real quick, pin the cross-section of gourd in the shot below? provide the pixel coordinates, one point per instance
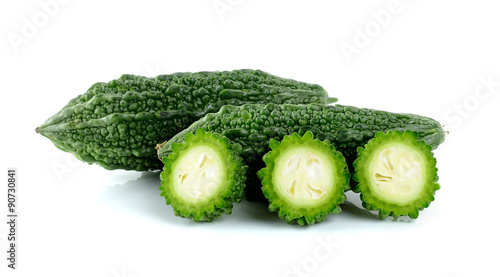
(396, 174)
(203, 176)
(304, 179)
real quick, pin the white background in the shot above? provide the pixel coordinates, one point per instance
(422, 57)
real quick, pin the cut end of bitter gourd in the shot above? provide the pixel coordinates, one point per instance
(396, 174)
(304, 179)
(203, 176)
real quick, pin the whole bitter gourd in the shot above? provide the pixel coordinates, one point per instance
(304, 179)
(346, 127)
(396, 174)
(118, 124)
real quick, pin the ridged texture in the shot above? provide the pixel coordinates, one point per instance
(117, 124)
(346, 127)
(371, 201)
(285, 207)
(230, 190)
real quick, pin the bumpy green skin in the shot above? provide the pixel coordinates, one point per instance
(285, 208)
(231, 191)
(361, 177)
(117, 124)
(346, 127)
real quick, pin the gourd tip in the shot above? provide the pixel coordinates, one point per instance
(331, 100)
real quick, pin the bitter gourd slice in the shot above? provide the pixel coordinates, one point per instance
(346, 127)
(118, 124)
(203, 176)
(304, 179)
(396, 174)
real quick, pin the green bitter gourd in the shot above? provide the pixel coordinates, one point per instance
(346, 127)
(203, 176)
(118, 124)
(304, 179)
(396, 174)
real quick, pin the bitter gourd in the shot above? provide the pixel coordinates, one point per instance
(304, 179)
(396, 174)
(346, 127)
(203, 176)
(118, 124)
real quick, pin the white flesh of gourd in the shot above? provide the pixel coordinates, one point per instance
(397, 173)
(197, 174)
(303, 175)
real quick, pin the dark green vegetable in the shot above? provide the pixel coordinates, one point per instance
(396, 174)
(117, 124)
(203, 176)
(347, 128)
(304, 179)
